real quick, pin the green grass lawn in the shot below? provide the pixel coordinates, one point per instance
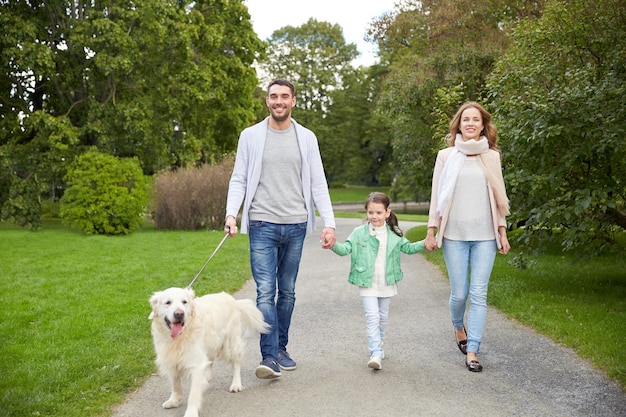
(75, 308)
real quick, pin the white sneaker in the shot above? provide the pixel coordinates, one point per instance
(375, 362)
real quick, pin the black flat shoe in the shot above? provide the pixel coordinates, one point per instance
(462, 344)
(474, 366)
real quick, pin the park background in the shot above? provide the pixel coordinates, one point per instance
(118, 125)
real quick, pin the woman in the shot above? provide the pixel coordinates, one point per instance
(468, 208)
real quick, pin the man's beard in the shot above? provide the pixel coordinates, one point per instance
(280, 118)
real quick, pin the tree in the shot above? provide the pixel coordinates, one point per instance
(316, 59)
(356, 145)
(334, 99)
(429, 45)
(559, 95)
(168, 82)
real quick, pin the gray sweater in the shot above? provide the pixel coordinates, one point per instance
(247, 173)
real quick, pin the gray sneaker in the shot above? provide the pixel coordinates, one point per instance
(284, 361)
(268, 369)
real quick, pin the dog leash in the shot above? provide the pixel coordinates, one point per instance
(208, 260)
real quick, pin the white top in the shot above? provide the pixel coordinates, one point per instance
(470, 212)
(379, 286)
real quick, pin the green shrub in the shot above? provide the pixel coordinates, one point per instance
(50, 209)
(105, 194)
(23, 203)
(192, 198)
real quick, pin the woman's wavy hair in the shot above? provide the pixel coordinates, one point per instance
(489, 129)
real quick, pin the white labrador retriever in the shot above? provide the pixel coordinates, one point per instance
(189, 333)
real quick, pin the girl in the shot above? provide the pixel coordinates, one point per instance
(375, 267)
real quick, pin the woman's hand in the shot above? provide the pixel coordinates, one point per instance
(430, 243)
(504, 241)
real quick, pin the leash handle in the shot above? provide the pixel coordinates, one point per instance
(208, 260)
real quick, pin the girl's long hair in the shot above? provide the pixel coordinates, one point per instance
(392, 220)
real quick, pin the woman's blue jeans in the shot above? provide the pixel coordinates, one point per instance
(275, 253)
(469, 265)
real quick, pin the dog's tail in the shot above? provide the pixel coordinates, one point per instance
(251, 316)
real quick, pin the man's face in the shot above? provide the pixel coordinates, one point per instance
(280, 101)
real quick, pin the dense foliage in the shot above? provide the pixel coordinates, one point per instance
(334, 99)
(559, 96)
(106, 195)
(315, 58)
(170, 83)
(429, 45)
(173, 84)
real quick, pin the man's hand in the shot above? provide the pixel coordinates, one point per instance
(328, 238)
(231, 226)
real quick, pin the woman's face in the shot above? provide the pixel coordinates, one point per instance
(377, 213)
(471, 124)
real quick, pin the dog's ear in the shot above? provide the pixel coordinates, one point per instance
(154, 300)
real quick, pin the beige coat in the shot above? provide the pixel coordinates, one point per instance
(440, 222)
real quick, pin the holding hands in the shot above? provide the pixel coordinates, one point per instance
(430, 243)
(328, 238)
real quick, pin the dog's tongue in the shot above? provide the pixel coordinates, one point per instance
(175, 330)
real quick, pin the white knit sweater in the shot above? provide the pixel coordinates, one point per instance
(470, 213)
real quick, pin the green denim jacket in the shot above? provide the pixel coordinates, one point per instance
(364, 247)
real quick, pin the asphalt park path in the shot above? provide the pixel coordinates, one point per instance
(423, 374)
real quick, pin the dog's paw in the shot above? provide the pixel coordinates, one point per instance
(171, 403)
(235, 388)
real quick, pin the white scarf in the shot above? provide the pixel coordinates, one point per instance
(453, 165)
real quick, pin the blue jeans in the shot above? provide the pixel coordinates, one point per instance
(376, 315)
(462, 259)
(275, 253)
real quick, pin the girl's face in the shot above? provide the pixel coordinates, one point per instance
(471, 124)
(377, 213)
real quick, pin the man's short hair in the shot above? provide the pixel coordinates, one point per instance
(282, 81)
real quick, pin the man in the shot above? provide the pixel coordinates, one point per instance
(279, 177)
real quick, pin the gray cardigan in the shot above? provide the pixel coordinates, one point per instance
(247, 173)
